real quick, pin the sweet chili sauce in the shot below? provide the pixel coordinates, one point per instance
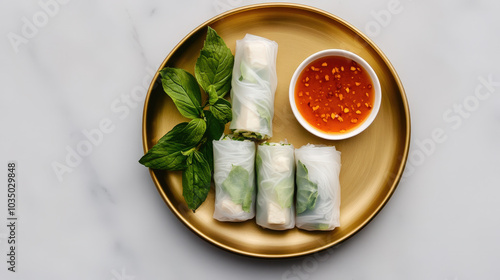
(334, 94)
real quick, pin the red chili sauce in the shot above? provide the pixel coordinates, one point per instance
(334, 94)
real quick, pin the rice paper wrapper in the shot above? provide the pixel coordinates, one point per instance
(275, 183)
(234, 177)
(318, 187)
(254, 84)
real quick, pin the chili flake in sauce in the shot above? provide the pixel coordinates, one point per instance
(334, 94)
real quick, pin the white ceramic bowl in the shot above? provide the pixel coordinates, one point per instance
(375, 84)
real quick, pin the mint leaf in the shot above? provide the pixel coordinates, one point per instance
(168, 152)
(222, 110)
(196, 180)
(212, 95)
(161, 157)
(174, 133)
(307, 191)
(215, 64)
(185, 133)
(184, 91)
(214, 131)
(207, 149)
(189, 152)
(238, 187)
(194, 131)
(215, 128)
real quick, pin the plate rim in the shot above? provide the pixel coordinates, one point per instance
(366, 39)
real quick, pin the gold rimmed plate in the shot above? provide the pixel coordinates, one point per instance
(372, 162)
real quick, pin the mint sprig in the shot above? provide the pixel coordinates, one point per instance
(188, 146)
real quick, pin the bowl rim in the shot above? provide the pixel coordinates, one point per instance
(375, 82)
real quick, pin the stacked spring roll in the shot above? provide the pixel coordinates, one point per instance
(275, 182)
(254, 84)
(234, 177)
(318, 187)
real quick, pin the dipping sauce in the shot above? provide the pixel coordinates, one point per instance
(334, 94)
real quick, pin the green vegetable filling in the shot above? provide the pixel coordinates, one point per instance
(284, 192)
(307, 191)
(238, 186)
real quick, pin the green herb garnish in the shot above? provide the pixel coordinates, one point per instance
(214, 67)
(196, 179)
(184, 91)
(168, 152)
(188, 146)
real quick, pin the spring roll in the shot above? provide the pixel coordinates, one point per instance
(318, 187)
(253, 84)
(275, 186)
(234, 177)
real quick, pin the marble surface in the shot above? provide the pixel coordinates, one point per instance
(73, 70)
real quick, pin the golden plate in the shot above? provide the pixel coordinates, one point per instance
(372, 162)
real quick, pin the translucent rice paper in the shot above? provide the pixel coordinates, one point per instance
(323, 168)
(234, 176)
(254, 84)
(275, 182)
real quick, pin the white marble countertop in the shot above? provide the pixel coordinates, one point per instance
(69, 68)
